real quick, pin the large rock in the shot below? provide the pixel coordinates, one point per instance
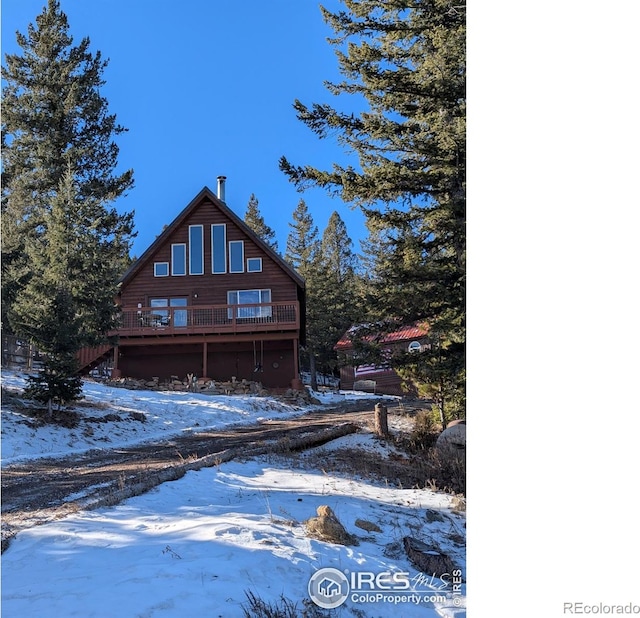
(426, 558)
(453, 439)
(327, 527)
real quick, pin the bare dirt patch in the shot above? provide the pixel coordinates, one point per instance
(43, 490)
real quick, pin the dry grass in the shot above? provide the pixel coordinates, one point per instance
(426, 470)
(283, 608)
(416, 463)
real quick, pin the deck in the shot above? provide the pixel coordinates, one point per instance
(209, 319)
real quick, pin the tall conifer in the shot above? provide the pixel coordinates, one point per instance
(303, 253)
(63, 247)
(53, 117)
(405, 61)
(254, 219)
(303, 243)
(338, 304)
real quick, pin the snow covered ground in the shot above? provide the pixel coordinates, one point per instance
(166, 414)
(199, 545)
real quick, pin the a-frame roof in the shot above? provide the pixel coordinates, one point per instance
(206, 193)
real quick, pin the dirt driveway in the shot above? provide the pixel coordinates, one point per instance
(43, 490)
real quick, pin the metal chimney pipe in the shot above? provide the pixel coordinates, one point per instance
(221, 195)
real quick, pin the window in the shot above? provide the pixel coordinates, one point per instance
(158, 317)
(254, 265)
(236, 256)
(218, 248)
(179, 315)
(196, 250)
(178, 260)
(161, 316)
(161, 269)
(249, 297)
(415, 346)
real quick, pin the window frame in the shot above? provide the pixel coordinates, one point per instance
(258, 312)
(234, 243)
(162, 307)
(174, 246)
(192, 229)
(254, 259)
(224, 249)
(155, 269)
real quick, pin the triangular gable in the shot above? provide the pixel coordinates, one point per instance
(206, 193)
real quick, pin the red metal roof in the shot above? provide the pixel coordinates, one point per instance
(405, 333)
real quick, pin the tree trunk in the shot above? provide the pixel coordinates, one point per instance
(312, 371)
(443, 418)
(381, 424)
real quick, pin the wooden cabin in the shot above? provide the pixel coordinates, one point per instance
(379, 378)
(208, 298)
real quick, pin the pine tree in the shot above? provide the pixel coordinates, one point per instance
(405, 61)
(402, 271)
(63, 248)
(338, 307)
(303, 253)
(303, 243)
(53, 115)
(328, 265)
(337, 252)
(254, 219)
(69, 303)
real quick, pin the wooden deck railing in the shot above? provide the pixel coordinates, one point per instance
(206, 319)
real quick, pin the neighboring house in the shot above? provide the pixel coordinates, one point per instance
(208, 298)
(376, 378)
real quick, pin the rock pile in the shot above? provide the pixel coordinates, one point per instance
(199, 385)
(327, 527)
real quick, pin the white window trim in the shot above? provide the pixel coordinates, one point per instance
(224, 253)
(263, 311)
(259, 259)
(155, 268)
(189, 256)
(241, 243)
(173, 273)
(414, 346)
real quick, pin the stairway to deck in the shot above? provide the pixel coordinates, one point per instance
(88, 358)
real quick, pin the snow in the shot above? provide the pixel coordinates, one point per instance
(166, 414)
(198, 545)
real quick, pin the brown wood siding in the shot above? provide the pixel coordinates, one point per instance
(224, 361)
(210, 289)
(151, 347)
(387, 383)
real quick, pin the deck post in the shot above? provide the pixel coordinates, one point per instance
(296, 382)
(205, 369)
(115, 372)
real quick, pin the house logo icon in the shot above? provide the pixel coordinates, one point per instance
(328, 588)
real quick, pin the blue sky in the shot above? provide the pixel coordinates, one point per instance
(206, 89)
